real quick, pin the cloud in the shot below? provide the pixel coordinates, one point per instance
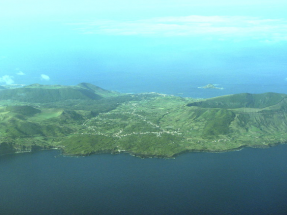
(7, 79)
(20, 73)
(45, 77)
(215, 27)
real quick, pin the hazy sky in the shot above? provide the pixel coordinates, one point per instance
(141, 8)
(43, 40)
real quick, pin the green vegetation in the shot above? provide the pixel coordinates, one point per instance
(243, 100)
(85, 119)
(218, 122)
(24, 110)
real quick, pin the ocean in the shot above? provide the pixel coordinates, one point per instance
(175, 66)
(250, 181)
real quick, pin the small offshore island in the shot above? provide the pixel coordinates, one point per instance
(211, 86)
(86, 119)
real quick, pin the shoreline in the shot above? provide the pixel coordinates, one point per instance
(142, 156)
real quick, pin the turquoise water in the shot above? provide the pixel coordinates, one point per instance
(250, 181)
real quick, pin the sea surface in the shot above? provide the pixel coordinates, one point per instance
(250, 181)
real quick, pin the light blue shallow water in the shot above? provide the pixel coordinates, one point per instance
(251, 181)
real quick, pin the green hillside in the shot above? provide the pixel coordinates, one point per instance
(39, 95)
(246, 100)
(97, 90)
(53, 93)
(24, 110)
(85, 119)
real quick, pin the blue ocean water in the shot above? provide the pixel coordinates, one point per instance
(250, 181)
(175, 66)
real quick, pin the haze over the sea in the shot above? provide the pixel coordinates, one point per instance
(138, 46)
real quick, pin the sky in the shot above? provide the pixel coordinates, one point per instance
(144, 45)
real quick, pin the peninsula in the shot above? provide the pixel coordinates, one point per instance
(86, 119)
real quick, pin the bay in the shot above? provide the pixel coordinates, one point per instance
(250, 181)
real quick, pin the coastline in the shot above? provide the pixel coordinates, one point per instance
(138, 155)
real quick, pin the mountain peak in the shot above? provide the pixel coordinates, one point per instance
(98, 90)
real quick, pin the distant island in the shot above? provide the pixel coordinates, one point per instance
(86, 119)
(211, 86)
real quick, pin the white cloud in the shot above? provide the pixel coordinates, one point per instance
(7, 79)
(217, 27)
(20, 73)
(45, 77)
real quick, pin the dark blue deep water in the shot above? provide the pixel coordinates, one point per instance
(250, 181)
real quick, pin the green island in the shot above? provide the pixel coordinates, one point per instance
(86, 119)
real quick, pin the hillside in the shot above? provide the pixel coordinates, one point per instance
(243, 100)
(86, 119)
(97, 90)
(45, 93)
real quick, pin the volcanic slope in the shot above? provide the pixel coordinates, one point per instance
(42, 93)
(86, 119)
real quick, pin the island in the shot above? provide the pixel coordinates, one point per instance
(211, 86)
(86, 119)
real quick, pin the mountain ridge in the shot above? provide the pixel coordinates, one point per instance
(37, 93)
(242, 100)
